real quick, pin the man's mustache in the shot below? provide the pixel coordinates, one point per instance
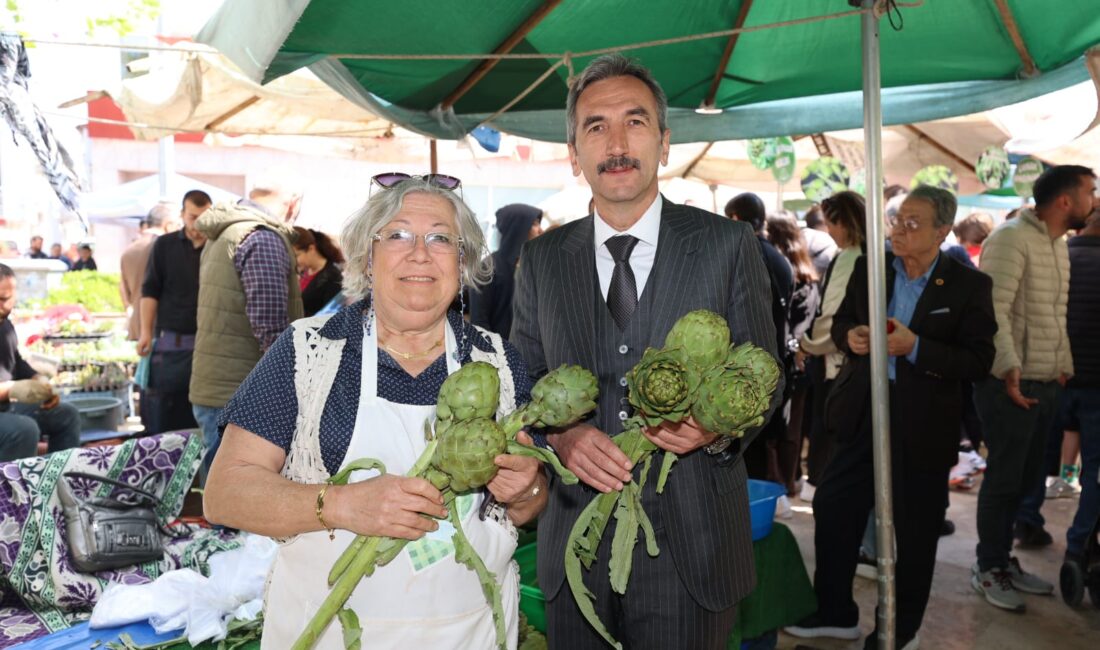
(618, 162)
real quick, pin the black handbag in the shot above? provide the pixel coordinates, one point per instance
(106, 533)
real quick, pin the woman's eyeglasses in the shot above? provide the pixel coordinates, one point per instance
(389, 179)
(397, 240)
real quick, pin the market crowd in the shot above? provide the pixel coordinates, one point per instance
(295, 355)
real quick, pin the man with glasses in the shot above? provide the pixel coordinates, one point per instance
(248, 294)
(599, 291)
(1028, 260)
(940, 332)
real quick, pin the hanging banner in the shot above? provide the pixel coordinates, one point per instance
(824, 177)
(1027, 172)
(783, 165)
(993, 168)
(939, 176)
(762, 152)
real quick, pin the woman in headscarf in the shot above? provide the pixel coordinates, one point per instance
(491, 306)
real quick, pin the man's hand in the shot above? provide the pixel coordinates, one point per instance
(144, 344)
(800, 360)
(859, 339)
(50, 403)
(518, 475)
(592, 456)
(1012, 387)
(681, 438)
(901, 340)
(1063, 379)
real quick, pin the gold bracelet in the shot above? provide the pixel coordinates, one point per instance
(320, 514)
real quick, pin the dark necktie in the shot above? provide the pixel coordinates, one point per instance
(622, 295)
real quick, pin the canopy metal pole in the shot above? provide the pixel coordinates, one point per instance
(876, 280)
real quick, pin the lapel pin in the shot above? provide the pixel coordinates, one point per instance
(939, 282)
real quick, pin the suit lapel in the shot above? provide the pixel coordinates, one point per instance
(578, 278)
(673, 266)
(930, 297)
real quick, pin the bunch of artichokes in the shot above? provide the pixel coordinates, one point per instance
(458, 459)
(726, 389)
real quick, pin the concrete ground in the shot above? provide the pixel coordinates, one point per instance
(959, 618)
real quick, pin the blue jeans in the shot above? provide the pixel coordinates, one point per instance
(207, 417)
(1083, 404)
(1016, 439)
(23, 425)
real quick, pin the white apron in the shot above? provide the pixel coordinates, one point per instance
(423, 598)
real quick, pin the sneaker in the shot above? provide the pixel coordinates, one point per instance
(996, 586)
(961, 471)
(977, 463)
(966, 484)
(783, 508)
(1026, 582)
(813, 626)
(1059, 488)
(807, 492)
(1028, 536)
(866, 566)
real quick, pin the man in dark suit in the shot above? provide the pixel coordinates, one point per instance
(599, 291)
(941, 316)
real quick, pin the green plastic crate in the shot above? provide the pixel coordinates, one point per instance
(531, 601)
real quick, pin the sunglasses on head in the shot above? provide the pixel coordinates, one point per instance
(390, 179)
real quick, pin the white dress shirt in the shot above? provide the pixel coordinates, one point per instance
(646, 229)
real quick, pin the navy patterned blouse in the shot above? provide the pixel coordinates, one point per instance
(267, 405)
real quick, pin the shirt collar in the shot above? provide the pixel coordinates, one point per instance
(899, 266)
(645, 229)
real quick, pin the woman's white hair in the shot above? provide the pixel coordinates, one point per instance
(357, 235)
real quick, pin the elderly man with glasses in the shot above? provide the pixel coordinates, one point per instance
(940, 333)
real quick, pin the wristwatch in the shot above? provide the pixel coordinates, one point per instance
(718, 446)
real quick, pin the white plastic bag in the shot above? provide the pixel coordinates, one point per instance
(184, 599)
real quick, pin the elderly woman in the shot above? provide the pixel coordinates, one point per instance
(846, 223)
(940, 334)
(361, 384)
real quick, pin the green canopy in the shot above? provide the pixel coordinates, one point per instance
(941, 59)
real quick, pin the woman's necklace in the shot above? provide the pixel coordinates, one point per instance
(409, 356)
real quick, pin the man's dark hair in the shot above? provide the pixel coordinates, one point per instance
(6, 272)
(609, 66)
(814, 217)
(1059, 180)
(198, 198)
(749, 208)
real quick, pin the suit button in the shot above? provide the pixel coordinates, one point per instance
(623, 349)
(623, 415)
(622, 381)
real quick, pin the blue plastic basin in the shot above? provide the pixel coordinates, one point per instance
(762, 498)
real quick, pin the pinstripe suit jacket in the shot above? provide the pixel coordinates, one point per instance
(703, 261)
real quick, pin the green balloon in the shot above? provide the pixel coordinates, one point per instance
(939, 176)
(784, 163)
(824, 177)
(1027, 172)
(993, 167)
(762, 152)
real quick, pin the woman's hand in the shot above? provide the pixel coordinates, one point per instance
(518, 476)
(859, 339)
(387, 505)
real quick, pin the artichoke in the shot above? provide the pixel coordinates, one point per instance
(661, 388)
(702, 337)
(467, 451)
(728, 402)
(471, 392)
(755, 363)
(564, 396)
